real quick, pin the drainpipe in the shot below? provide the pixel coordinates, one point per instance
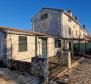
(11, 52)
(35, 45)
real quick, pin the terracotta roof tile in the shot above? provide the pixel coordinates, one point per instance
(19, 30)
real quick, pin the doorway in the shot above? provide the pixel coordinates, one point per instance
(44, 47)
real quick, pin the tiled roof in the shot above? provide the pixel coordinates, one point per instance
(19, 30)
(28, 32)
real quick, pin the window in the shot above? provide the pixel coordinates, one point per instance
(69, 19)
(44, 16)
(76, 33)
(57, 43)
(22, 43)
(69, 31)
(74, 26)
(70, 46)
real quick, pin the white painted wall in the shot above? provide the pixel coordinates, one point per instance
(16, 55)
(66, 25)
(26, 55)
(83, 33)
(51, 47)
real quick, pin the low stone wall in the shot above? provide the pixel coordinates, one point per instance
(40, 68)
(37, 68)
(19, 65)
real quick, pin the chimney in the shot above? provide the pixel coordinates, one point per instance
(76, 18)
(70, 12)
(84, 26)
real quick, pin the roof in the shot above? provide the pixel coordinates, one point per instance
(19, 30)
(27, 31)
(54, 9)
(62, 10)
(36, 33)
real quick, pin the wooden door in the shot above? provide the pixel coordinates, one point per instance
(44, 48)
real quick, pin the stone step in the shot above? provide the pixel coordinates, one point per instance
(56, 72)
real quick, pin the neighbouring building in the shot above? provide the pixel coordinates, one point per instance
(58, 22)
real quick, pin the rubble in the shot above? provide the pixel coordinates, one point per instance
(80, 75)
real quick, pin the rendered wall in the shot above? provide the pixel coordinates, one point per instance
(66, 25)
(13, 52)
(12, 48)
(50, 25)
(51, 47)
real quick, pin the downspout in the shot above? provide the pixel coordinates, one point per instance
(61, 26)
(11, 51)
(35, 45)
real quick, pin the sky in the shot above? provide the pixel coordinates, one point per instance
(18, 13)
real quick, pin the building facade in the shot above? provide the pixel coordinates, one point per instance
(20, 45)
(58, 22)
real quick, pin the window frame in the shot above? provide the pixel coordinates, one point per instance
(70, 46)
(70, 31)
(69, 19)
(44, 16)
(76, 33)
(22, 45)
(57, 43)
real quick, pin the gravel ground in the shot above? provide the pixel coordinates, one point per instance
(81, 74)
(12, 77)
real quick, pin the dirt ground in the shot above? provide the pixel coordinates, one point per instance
(11, 77)
(80, 75)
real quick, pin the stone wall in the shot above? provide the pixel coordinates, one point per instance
(13, 48)
(40, 68)
(50, 25)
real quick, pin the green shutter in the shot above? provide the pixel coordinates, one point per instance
(44, 48)
(22, 43)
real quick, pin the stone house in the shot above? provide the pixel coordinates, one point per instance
(22, 45)
(58, 22)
